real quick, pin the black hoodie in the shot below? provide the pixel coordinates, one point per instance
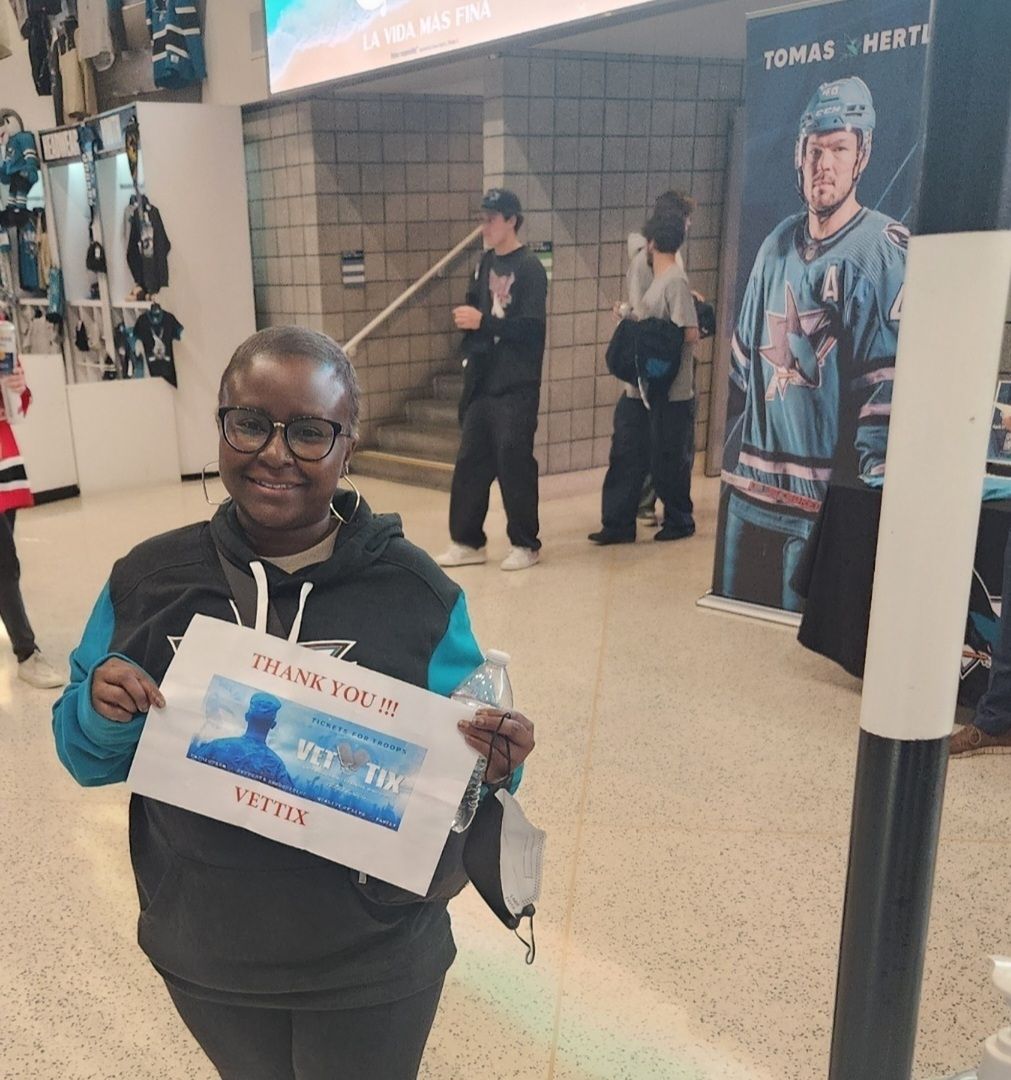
(226, 914)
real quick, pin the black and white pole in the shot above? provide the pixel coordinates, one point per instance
(956, 296)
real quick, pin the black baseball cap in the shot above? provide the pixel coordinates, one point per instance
(502, 201)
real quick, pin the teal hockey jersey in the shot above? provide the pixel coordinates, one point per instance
(176, 44)
(814, 354)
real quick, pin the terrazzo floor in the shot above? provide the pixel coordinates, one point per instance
(694, 771)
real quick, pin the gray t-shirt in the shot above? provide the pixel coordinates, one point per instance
(316, 554)
(669, 297)
(640, 273)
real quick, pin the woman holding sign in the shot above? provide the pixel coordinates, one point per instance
(281, 963)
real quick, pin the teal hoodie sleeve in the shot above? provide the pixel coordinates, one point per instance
(93, 750)
(454, 658)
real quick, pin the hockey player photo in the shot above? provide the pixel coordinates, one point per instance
(998, 458)
(813, 355)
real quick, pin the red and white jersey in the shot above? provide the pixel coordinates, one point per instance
(15, 491)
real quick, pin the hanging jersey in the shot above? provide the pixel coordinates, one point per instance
(21, 158)
(147, 245)
(814, 353)
(157, 331)
(125, 343)
(177, 46)
(28, 255)
(15, 491)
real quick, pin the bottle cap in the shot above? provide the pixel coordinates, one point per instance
(496, 656)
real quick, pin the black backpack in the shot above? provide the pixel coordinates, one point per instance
(646, 353)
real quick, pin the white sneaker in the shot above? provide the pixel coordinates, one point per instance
(38, 672)
(521, 559)
(461, 555)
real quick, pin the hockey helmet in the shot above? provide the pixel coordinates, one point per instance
(841, 105)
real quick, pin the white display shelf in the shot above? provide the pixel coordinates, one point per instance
(113, 424)
(44, 435)
(175, 434)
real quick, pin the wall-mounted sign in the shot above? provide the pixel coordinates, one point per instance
(60, 144)
(545, 251)
(353, 267)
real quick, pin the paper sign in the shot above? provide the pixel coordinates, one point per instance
(353, 267)
(307, 750)
(60, 144)
(111, 130)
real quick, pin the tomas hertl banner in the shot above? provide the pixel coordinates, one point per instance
(832, 153)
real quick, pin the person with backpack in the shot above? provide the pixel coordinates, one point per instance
(654, 420)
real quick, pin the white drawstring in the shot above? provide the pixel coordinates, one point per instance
(263, 597)
(296, 626)
(260, 577)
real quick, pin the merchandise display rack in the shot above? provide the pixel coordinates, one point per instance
(133, 431)
(44, 435)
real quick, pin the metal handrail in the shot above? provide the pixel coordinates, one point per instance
(406, 295)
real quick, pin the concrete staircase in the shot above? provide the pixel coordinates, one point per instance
(421, 449)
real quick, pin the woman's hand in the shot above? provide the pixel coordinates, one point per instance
(15, 382)
(505, 738)
(120, 690)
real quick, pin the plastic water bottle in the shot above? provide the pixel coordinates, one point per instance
(487, 685)
(8, 347)
(996, 1063)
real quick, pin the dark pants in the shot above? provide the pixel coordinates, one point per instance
(382, 1042)
(12, 606)
(497, 444)
(763, 536)
(993, 712)
(658, 442)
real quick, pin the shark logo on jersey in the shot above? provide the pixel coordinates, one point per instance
(799, 343)
(338, 649)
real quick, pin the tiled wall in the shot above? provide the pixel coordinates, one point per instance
(284, 186)
(396, 177)
(588, 142)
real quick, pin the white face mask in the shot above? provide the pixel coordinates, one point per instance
(522, 856)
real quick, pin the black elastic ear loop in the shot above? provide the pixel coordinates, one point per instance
(508, 748)
(531, 945)
(528, 911)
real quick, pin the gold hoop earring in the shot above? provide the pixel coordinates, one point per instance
(203, 484)
(358, 502)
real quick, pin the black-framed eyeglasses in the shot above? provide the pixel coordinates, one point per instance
(309, 438)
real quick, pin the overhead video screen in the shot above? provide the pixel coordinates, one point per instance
(313, 41)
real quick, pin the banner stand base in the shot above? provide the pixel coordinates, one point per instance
(730, 606)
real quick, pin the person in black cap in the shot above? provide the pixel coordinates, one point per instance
(504, 319)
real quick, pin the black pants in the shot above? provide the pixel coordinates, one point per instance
(382, 1042)
(12, 606)
(497, 443)
(657, 442)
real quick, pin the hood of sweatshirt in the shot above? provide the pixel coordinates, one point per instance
(360, 542)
